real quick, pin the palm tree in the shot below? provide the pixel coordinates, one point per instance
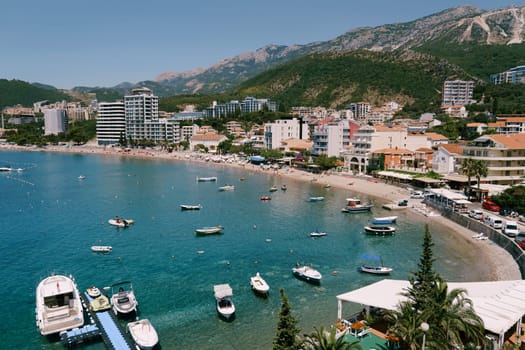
(406, 321)
(323, 340)
(479, 170)
(467, 169)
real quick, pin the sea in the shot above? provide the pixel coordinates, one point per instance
(50, 218)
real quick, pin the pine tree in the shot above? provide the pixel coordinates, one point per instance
(287, 331)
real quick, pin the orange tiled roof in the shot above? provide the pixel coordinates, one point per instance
(208, 137)
(496, 124)
(474, 125)
(434, 136)
(453, 148)
(380, 128)
(394, 151)
(424, 149)
(512, 141)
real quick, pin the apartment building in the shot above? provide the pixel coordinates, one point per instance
(444, 160)
(282, 129)
(503, 154)
(249, 104)
(514, 75)
(457, 92)
(331, 137)
(111, 122)
(55, 121)
(360, 110)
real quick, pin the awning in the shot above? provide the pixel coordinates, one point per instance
(395, 175)
(499, 304)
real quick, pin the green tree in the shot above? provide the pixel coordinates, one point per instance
(467, 168)
(479, 170)
(406, 321)
(323, 340)
(287, 331)
(184, 144)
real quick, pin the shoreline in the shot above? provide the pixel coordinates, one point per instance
(500, 264)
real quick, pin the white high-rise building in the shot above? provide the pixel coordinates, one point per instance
(142, 116)
(55, 121)
(457, 92)
(111, 123)
(284, 129)
(331, 137)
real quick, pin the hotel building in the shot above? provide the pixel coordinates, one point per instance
(111, 122)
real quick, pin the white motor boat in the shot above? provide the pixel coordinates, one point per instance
(101, 249)
(143, 333)
(380, 230)
(316, 199)
(93, 292)
(385, 220)
(317, 234)
(123, 298)
(227, 188)
(58, 305)
(190, 207)
(354, 205)
(209, 230)
(223, 296)
(259, 285)
(206, 179)
(119, 222)
(306, 273)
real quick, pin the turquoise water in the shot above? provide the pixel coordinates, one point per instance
(50, 219)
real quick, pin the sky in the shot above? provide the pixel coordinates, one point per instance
(68, 43)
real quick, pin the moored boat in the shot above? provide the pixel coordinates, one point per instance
(227, 188)
(306, 273)
(93, 292)
(123, 298)
(143, 333)
(380, 230)
(316, 199)
(317, 234)
(259, 285)
(273, 188)
(100, 303)
(374, 268)
(284, 188)
(101, 248)
(209, 230)
(206, 179)
(223, 296)
(384, 220)
(190, 207)
(354, 205)
(58, 305)
(119, 222)
(265, 198)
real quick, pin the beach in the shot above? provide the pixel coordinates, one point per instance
(497, 263)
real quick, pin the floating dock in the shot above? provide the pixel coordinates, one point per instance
(103, 324)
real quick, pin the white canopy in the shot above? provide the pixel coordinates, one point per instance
(448, 194)
(500, 304)
(222, 291)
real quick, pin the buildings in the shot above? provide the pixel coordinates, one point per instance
(55, 121)
(457, 92)
(234, 107)
(514, 75)
(275, 133)
(331, 137)
(111, 123)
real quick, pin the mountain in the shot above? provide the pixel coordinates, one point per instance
(464, 25)
(14, 92)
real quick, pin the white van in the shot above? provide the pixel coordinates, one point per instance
(495, 222)
(511, 228)
(476, 214)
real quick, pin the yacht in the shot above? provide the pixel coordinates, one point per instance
(123, 298)
(306, 273)
(58, 305)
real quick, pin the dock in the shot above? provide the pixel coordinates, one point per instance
(103, 325)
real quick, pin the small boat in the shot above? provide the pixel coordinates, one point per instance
(273, 188)
(315, 199)
(5, 168)
(227, 188)
(121, 222)
(259, 285)
(384, 220)
(101, 248)
(317, 234)
(209, 230)
(58, 305)
(93, 292)
(190, 207)
(307, 274)
(242, 179)
(100, 303)
(354, 205)
(123, 298)
(327, 186)
(380, 230)
(206, 179)
(284, 188)
(143, 333)
(81, 177)
(375, 268)
(223, 295)
(265, 198)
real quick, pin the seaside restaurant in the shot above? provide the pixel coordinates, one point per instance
(500, 304)
(447, 199)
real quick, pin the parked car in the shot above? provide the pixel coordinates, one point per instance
(520, 239)
(417, 195)
(476, 214)
(511, 228)
(496, 223)
(490, 205)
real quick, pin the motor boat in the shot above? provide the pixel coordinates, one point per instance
(284, 188)
(58, 305)
(265, 198)
(123, 298)
(227, 188)
(143, 333)
(190, 207)
(315, 199)
(206, 179)
(259, 285)
(209, 230)
(380, 230)
(307, 274)
(82, 177)
(101, 248)
(100, 303)
(93, 292)
(354, 205)
(384, 220)
(273, 188)
(119, 222)
(223, 295)
(377, 270)
(317, 234)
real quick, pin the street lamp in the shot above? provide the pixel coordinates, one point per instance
(424, 327)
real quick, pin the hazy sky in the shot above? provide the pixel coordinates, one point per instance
(67, 43)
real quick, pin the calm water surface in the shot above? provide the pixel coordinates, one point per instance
(50, 219)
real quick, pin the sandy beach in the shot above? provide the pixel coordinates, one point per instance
(500, 264)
